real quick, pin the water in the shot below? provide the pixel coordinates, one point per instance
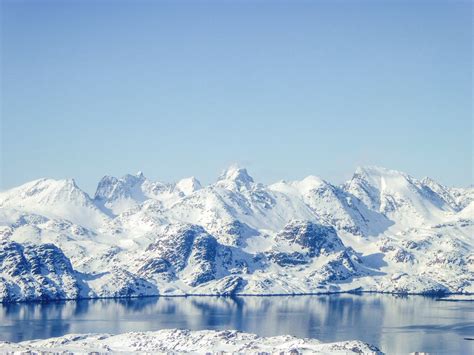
(394, 324)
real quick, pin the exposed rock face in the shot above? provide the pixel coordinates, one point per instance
(175, 244)
(340, 268)
(316, 238)
(35, 272)
(288, 259)
(202, 260)
(184, 251)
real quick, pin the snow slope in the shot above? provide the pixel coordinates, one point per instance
(186, 341)
(381, 231)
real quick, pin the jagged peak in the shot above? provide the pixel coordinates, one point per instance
(108, 179)
(110, 185)
(235, 176)
(188, 185)
(236, 173)
(133, 178)
(139, 176)
(430, 182)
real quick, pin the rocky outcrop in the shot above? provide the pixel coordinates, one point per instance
(35, 272)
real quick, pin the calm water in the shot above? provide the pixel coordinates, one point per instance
(394, 324)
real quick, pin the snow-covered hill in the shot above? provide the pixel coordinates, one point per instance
(382, 231)
(177, 341)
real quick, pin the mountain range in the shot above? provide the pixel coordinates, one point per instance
(381, 231)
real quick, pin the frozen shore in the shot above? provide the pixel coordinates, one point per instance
(186, 341)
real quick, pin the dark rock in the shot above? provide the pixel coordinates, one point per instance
(316, 238)
(288, 259)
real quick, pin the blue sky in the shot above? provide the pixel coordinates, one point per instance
(285, 88)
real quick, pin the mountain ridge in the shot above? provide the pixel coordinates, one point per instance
(394, 233)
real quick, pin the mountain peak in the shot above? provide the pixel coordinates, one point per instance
(235, 177)
(312, 181)
(236, 173)
(111, 188)
(133, 179)
(47, 195)
(46, 185)
(431, 182)
(188, 185)
(378, 176)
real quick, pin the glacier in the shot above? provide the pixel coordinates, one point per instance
(381, 231)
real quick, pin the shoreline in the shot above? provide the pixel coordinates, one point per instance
(175, 340)
(435, 295)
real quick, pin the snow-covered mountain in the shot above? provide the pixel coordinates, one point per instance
(382, 231)
(119, 195)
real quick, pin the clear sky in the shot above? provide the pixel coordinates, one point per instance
(285, 88)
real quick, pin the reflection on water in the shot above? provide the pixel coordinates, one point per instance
(394, 324)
